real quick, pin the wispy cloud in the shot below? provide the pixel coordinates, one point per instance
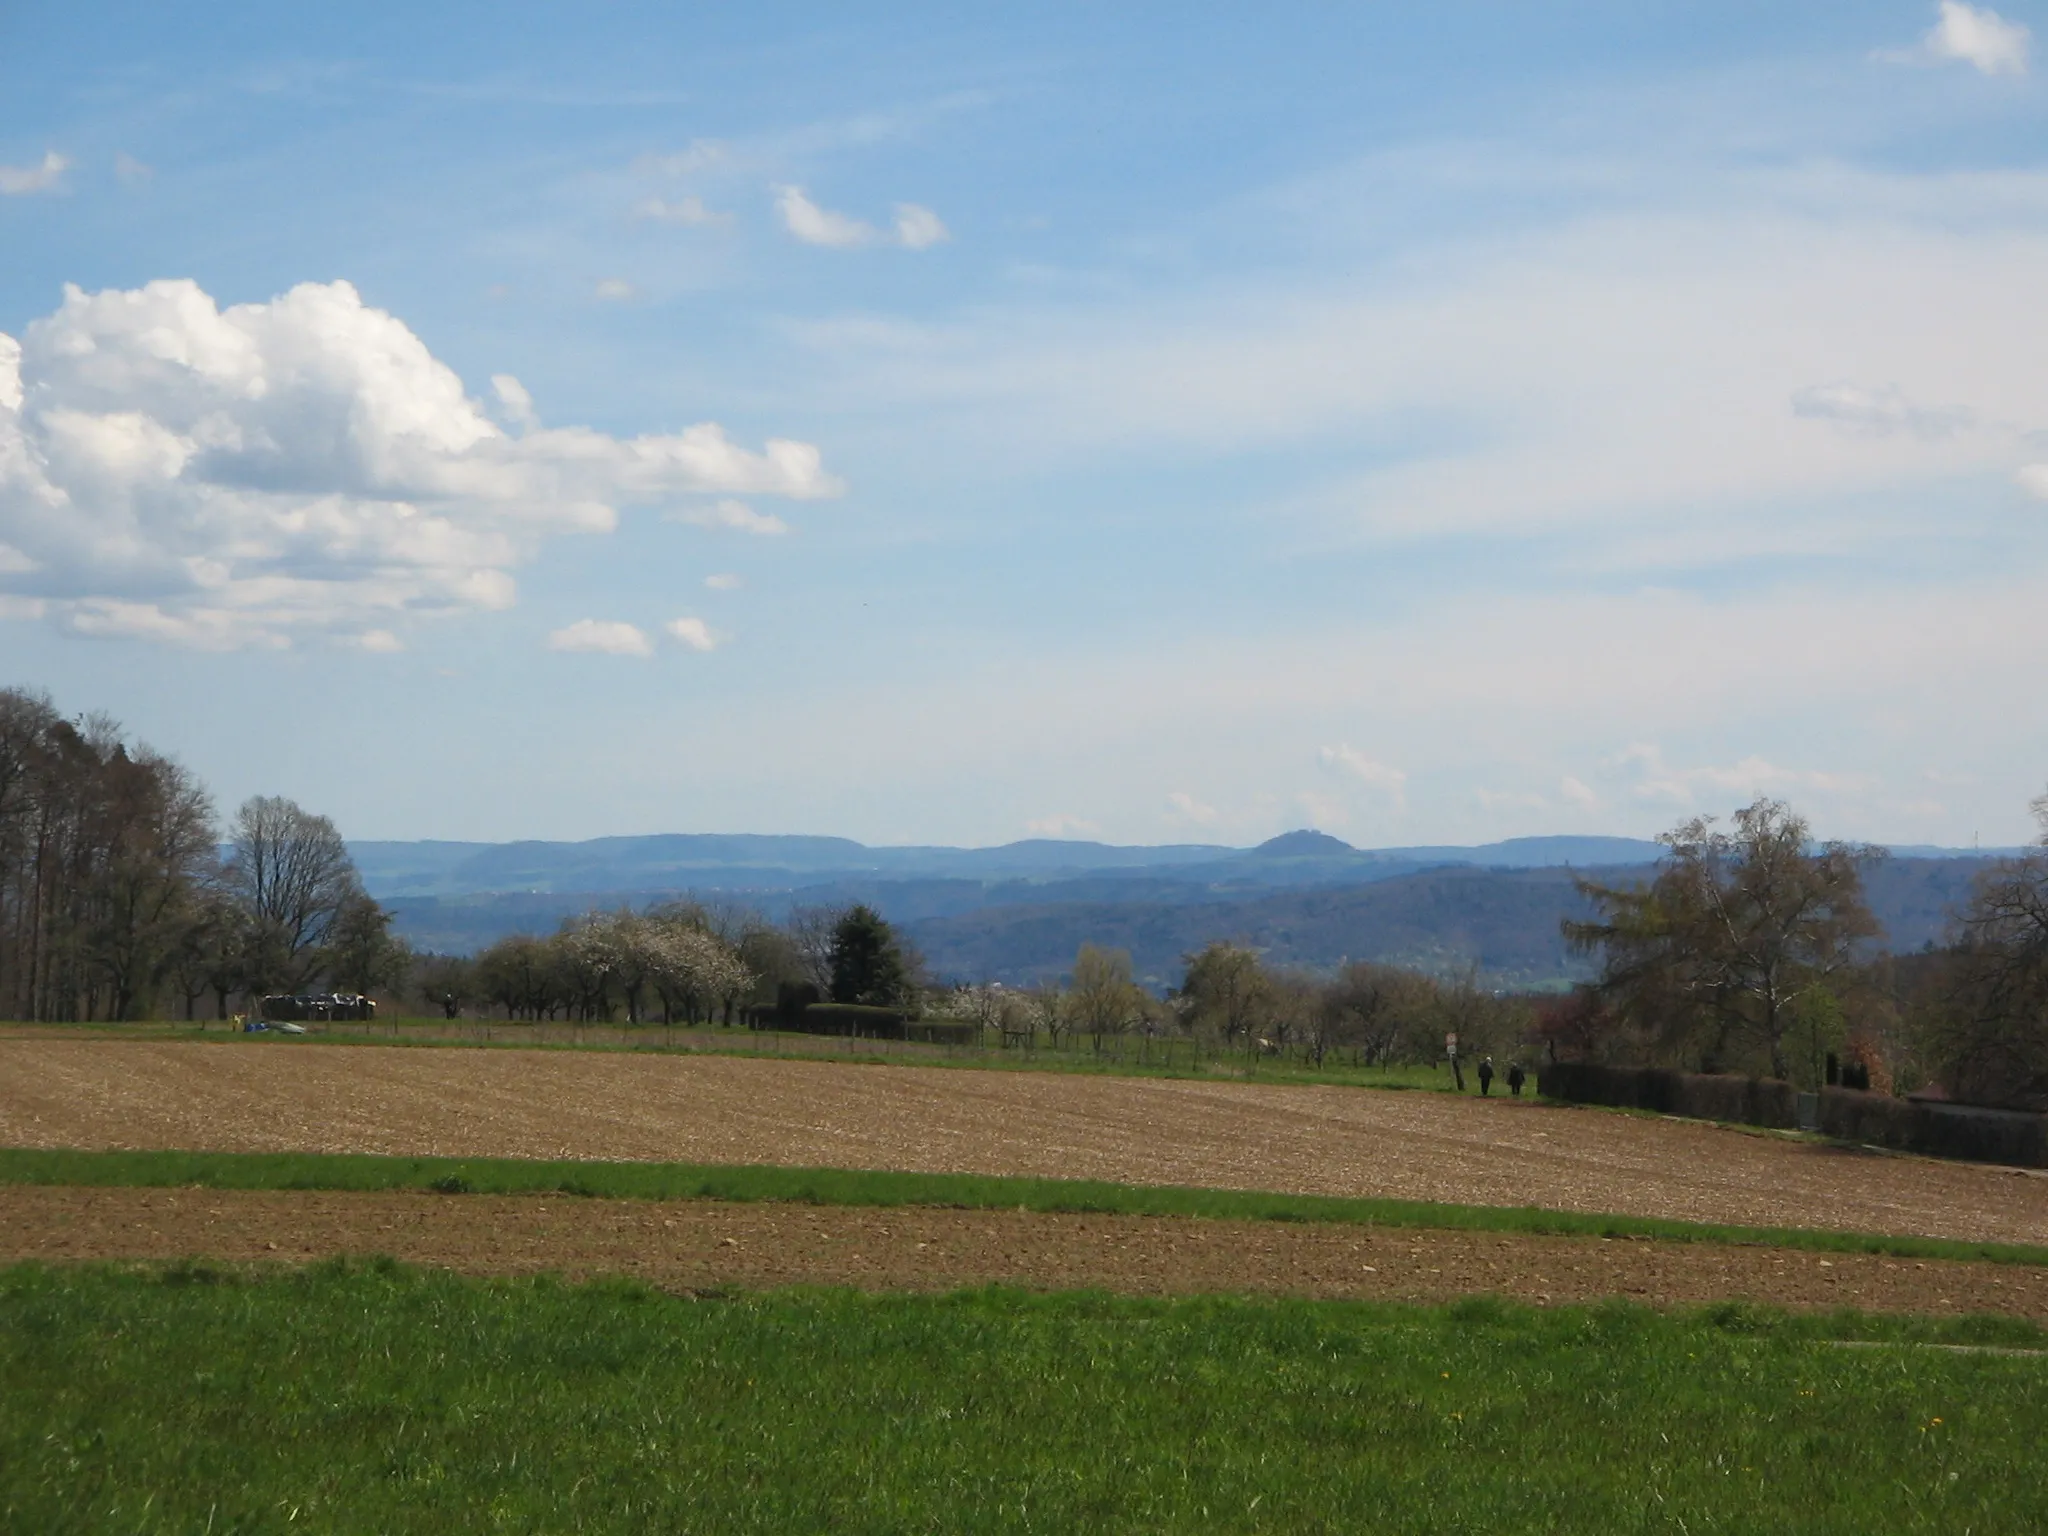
(1346, 759)
(690, 212)
(916, 229)
(615, 290)
(21, 180)
(602, 637)
(733, 514)
(1880, 412)
(1060, 824)
(1186, 807)
(724, 581)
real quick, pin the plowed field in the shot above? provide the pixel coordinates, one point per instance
(698, 1244)
(556, 1104)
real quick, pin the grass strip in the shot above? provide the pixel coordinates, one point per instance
(370, 1396)
(956, 1191)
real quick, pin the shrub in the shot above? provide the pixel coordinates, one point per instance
(853, 1019)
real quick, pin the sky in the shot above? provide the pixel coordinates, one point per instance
(937, 424)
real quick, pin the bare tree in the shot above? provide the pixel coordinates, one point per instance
(292, 874)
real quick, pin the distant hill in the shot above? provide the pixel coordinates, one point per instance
(1303, 903)
(743, 862)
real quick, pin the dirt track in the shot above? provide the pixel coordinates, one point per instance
(300, 1096)
(699, 1244)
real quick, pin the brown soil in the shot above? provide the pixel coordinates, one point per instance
(701, 1244)
(295, 1096)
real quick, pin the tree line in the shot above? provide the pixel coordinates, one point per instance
(119, 901)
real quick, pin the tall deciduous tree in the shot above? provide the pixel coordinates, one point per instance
(293, 876)
(1712, 959)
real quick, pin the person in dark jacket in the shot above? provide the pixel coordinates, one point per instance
(1485, 1076)
(1516, 1077)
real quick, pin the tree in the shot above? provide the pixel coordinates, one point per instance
(293, 876)
(447, 982)
(1224, 991)
(1103, 1000)
(865, 964)
(362, 953)
(1712, 959)
(1987, 1033)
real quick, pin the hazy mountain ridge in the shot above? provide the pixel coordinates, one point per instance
(1301, 901)
(757, 862)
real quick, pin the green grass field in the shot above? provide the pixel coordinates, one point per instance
(366, 1397)
(840, 1186)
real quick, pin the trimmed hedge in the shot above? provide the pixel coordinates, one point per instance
(1695, 1095)
(1939, 1130)
(853, 1019)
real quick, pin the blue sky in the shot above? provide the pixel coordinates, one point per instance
(1428, 424)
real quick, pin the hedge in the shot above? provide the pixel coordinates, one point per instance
(1695, 1095)
(1939, 1130)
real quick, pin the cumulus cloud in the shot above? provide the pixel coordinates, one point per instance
(1973, 35)
(1377, 775)
(689, 212)
(182, 473)
(1577, 792)
(916, 228)
(1185, 806)
(48, 176)
(1060, 824)
(603, 637)
(1881, 412)
(694, 633)
(730, 513)
(381, 641)
(724, 581)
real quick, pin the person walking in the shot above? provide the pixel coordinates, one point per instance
(1485, 1076)
(1516, 1077)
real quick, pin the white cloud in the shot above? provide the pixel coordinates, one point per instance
(729, 513)
(689, 212)
(132, 171)
(1187, 808)
(819, 226)
(2034, 479)
(724, 581)
(517, 403)
(603, 637)
(1752, 776)
(694, 633)
(1973, 35)
(615, 290)
(14, 563)
(1060, 824)
(1880, 412)
(380, 641)
(1377, 775)
(223, 478)
(20, 180)
(919, 229)
(699, 155)
(1576, 792)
